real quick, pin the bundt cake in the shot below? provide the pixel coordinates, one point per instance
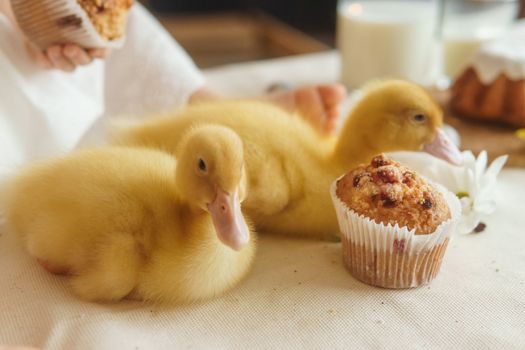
(493, 86)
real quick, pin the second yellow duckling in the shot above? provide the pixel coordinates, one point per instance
(127, 221)
(290, 166)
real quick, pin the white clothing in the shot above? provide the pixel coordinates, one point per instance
(45, 113)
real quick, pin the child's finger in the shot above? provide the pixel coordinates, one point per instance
(41, 60)
(97, 53)
(332, 94)
(77, 55)
(58, 59)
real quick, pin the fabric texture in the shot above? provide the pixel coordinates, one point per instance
(151, 73)
(46, 113)
(34, 123)
(298, 294)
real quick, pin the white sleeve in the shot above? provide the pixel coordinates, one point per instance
(151, 72)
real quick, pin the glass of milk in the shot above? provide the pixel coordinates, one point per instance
(387, 39)
(467, 24)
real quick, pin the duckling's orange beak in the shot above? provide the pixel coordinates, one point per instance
(443, 147)
(228, 220)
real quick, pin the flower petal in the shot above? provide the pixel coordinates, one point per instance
(496, 166)
(485, 207)
(469, 160)
(481, 165)
(468, 223)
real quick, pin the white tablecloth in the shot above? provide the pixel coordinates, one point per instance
(298, 295)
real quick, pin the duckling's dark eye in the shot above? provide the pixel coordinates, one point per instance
(419, 118)
(202, 165)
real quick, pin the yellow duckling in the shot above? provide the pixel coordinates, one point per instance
(290, 166)
(127, 221)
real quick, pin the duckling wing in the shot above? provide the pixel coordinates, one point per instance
(268, 188)
(277, 146)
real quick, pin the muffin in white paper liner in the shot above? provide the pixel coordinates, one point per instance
(391, 256)
(50, 22)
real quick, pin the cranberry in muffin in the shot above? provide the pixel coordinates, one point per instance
(390, 193)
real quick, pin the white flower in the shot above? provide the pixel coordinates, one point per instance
(472, 182)
(477, 188)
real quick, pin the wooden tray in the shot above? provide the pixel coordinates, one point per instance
(230, 37)
(478, 136)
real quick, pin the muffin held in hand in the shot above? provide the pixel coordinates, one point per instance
(395, 225)
(108, 16)
(87, 23)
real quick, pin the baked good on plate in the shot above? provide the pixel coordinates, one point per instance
(395, 225)
(88, 23)
(493, 86)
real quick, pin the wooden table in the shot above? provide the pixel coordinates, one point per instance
(229, 37)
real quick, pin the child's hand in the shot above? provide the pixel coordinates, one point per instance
(64, 57)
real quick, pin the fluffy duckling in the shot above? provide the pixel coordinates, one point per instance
(394, 115)
(290, 166)
(124, 221)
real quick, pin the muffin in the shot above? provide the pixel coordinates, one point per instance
(395, 225)
(492, 87)
(88, 23)
(107, 16)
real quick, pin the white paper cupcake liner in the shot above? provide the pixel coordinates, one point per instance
(392, 256)
(50, 22)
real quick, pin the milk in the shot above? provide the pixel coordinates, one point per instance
(459, 49)
(386, 39)
(468, 25)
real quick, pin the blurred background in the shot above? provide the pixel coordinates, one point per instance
(398, 38)
(216, 32)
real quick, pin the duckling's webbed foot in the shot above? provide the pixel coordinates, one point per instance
(53, 268)
(113, 272)
(134, 295)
